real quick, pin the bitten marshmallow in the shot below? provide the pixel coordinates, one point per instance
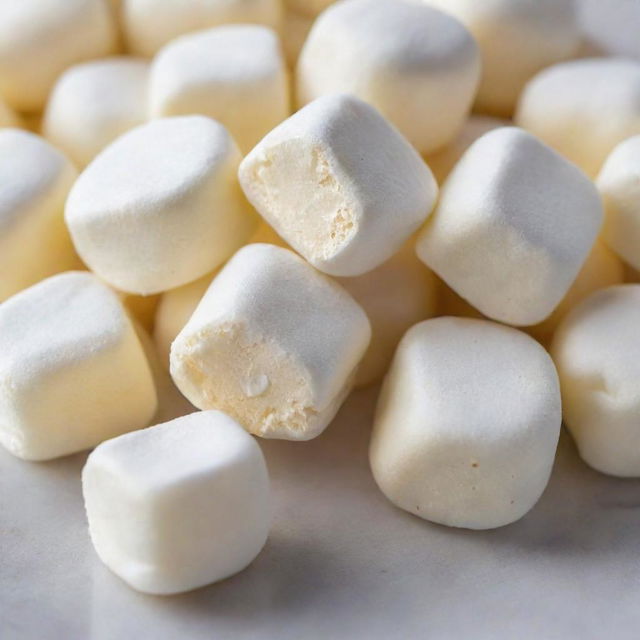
(235, 74)
(513, 227)
(418, 66)
(583, 108)
(273, 343)
(35, 179)
(340, 185)
(467, 423)
(179, 505)
(597, 352)
(150, 24)
(39, 39)
(517, 38)
(95, 102)
(619, 185)
(160, 206)
(72, 371)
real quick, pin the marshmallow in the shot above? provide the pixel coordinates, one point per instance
(619, 185)
(417, 65)
(72, 371)
(150, 24)
(513, 227)
(597, 352)
(394, 296)
(340, 185)
(467, 423)
(517, 38)
(584, 108)
(273, 343)
(39, 39)
(235, 74)
(160, 206)
(34, 181)
(612, 26)
(95, 102)
(179, 505)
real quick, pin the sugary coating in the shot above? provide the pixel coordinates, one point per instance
(395, 296)
(235, 74)
(296, 27)
(160, 206)
(514, 225)
(150, 24)
(517, 38)
(418, 66)
(35, 179)
(72, 372)
(273, 343)
(95, 102)
(619, 186)
(178, 505)
(340, 185)
(597, 352)
(467, 423)
(39, 39)
(583, 108)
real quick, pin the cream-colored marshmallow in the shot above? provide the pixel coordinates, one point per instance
(179, 505)
(418, 66)
(513, 227)
(340, 185)
(273, 343)
(583, 108)
(235, 74)
(597, 351)
(95, 102)
(160, 206)
(467, 423)
(72, 372)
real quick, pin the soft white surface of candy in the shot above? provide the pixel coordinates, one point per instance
(517, 38)
(619, 185)
(415, 64)
(339, 184)
(179, 505)
(72, 372)
(150, 24)
(235, 74)
(34, 181)
(160, 206)
(95, 102)
(583, 108)
(39, 39)
(467, 423)
(514, 224)
(597, 352)
(273, 343)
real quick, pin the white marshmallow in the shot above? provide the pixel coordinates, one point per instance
(95, 102)
(72, 371)
(514, 225)
(517, 38)
(34, 181)
(612, 26)
(597, 352)
(39, 39)
(235, 74)
(417, 65)
(340, 185)
(273, 343)
(584, 108)
(160, 206)
(150, 24)
(619, 185)
(179, 505)
(467, 423)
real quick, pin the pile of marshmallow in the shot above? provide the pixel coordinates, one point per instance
(295, 201)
